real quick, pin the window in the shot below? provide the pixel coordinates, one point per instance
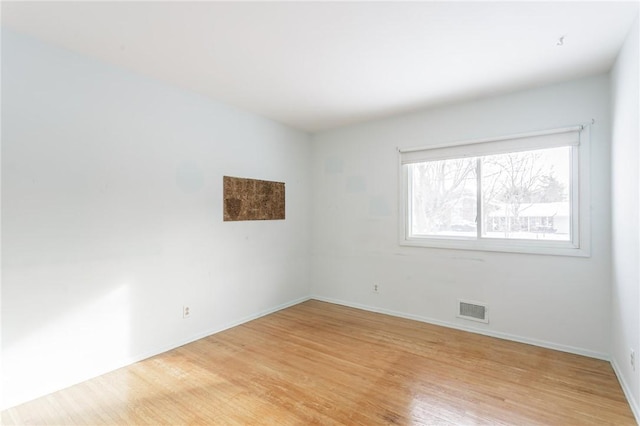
(524, 193)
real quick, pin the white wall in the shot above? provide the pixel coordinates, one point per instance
(112, 218)
(625, 193)
(561, 302)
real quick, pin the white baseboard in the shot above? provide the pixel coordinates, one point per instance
(497, 334)
(123, 362)
(635, 408)
(213, 331)
(156, 351)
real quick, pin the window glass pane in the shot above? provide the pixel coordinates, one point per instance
(525, 195)
(443, 198)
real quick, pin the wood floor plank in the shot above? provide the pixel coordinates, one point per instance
(324, 364)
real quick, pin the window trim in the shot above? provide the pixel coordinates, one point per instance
(579, 194)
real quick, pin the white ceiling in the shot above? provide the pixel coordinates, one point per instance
(320, 65)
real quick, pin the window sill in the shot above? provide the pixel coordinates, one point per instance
(498, 245)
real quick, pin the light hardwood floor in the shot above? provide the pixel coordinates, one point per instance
(319, 363)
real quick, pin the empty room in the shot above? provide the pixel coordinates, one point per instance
(335, 213)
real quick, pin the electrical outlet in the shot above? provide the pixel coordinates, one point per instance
(186, 312)
(632, 359)
(376, 288)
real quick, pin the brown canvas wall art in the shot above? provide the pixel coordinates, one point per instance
(252, 199)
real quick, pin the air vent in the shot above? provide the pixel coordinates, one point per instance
(473, 311)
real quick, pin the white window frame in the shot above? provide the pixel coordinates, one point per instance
(578, 137)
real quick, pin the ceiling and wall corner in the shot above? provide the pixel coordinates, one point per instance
(321, 65)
